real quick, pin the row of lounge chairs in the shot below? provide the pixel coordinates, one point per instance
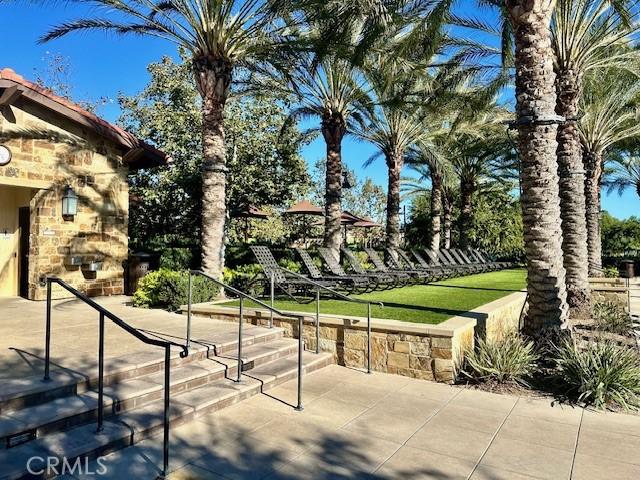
(400, 269)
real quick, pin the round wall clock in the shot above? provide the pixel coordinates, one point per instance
(5, 155)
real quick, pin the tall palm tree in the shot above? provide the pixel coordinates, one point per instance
(624, 174)
(585, 36)
(396, 124)
(333, 90)
(219, 35)
(609, 106)
(441, 177)
(530, 22)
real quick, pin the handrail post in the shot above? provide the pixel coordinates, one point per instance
(47, 344)
(317, 320)
(189, 300)
(368, 338)
(101, 375)
(299, 407)
(240, 322)
(167, 396)
(272, 295)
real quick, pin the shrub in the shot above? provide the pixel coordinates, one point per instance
(240, 277)
(510, 359)
(611, 317)
(177, 258)
(599, 373)
(168, 289)
(611, 272)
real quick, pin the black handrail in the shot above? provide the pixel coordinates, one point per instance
(341, 296)
(166, 344)
(242, 295)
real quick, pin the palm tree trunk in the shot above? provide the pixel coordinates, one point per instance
(446, 220)
(394, 165)
(572, 197)
(535, 100)
(333, 131)
(466, 212)
(593, 167)
(436, 210)
(213, 77)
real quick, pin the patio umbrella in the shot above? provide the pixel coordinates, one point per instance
(248, 212)
(304, 208)
(365, 222)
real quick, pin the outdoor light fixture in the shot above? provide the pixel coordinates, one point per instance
(69, 202)
(5, 155)
(346, 182)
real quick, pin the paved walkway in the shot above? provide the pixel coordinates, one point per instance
(74, 334)
(390, 427)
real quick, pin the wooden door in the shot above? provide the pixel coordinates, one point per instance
(8, 242)
(11, 199)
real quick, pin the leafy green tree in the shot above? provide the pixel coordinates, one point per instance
(264, 164)
(619, 237)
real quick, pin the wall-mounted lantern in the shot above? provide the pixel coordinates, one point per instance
(69, 202)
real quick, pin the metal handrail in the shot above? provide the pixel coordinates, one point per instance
(341, 296)
(242, 295)
(166, 344)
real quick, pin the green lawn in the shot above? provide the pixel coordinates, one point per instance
(432, 303)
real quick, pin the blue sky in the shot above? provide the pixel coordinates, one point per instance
(103, 66)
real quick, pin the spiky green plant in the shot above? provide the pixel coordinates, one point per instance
(601, 374)
(511, 359)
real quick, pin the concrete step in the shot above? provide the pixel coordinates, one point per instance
(33, 422)
(128, 428)
(16, 394)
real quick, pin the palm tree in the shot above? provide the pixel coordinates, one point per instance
(441, 177)
(220, 36)
(536, 121)
(585, 36)
(334, 90)
(393, 127)
(624, 174)
(609, 104)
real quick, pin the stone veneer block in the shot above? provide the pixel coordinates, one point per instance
(424, 351)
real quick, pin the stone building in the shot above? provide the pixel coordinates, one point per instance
(64, 201)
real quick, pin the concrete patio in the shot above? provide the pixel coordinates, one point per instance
(74, 335)
(384, 426)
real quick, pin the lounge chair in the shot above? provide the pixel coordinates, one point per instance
(349, 284)
(375, 281)
(438, 272)
(485, 258)
(388, 278)
(457, 259)
(448, 261)
(380, 266)
(436, 260)
(399, 264)
(461, 254)
(289, 285)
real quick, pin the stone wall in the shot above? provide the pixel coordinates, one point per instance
(431, 352)
(98, 176)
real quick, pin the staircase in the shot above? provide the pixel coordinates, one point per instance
(58, 418)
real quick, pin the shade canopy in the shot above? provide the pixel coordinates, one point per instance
(366, 222)
(305, 207)
(250, 212)
(348, 218)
